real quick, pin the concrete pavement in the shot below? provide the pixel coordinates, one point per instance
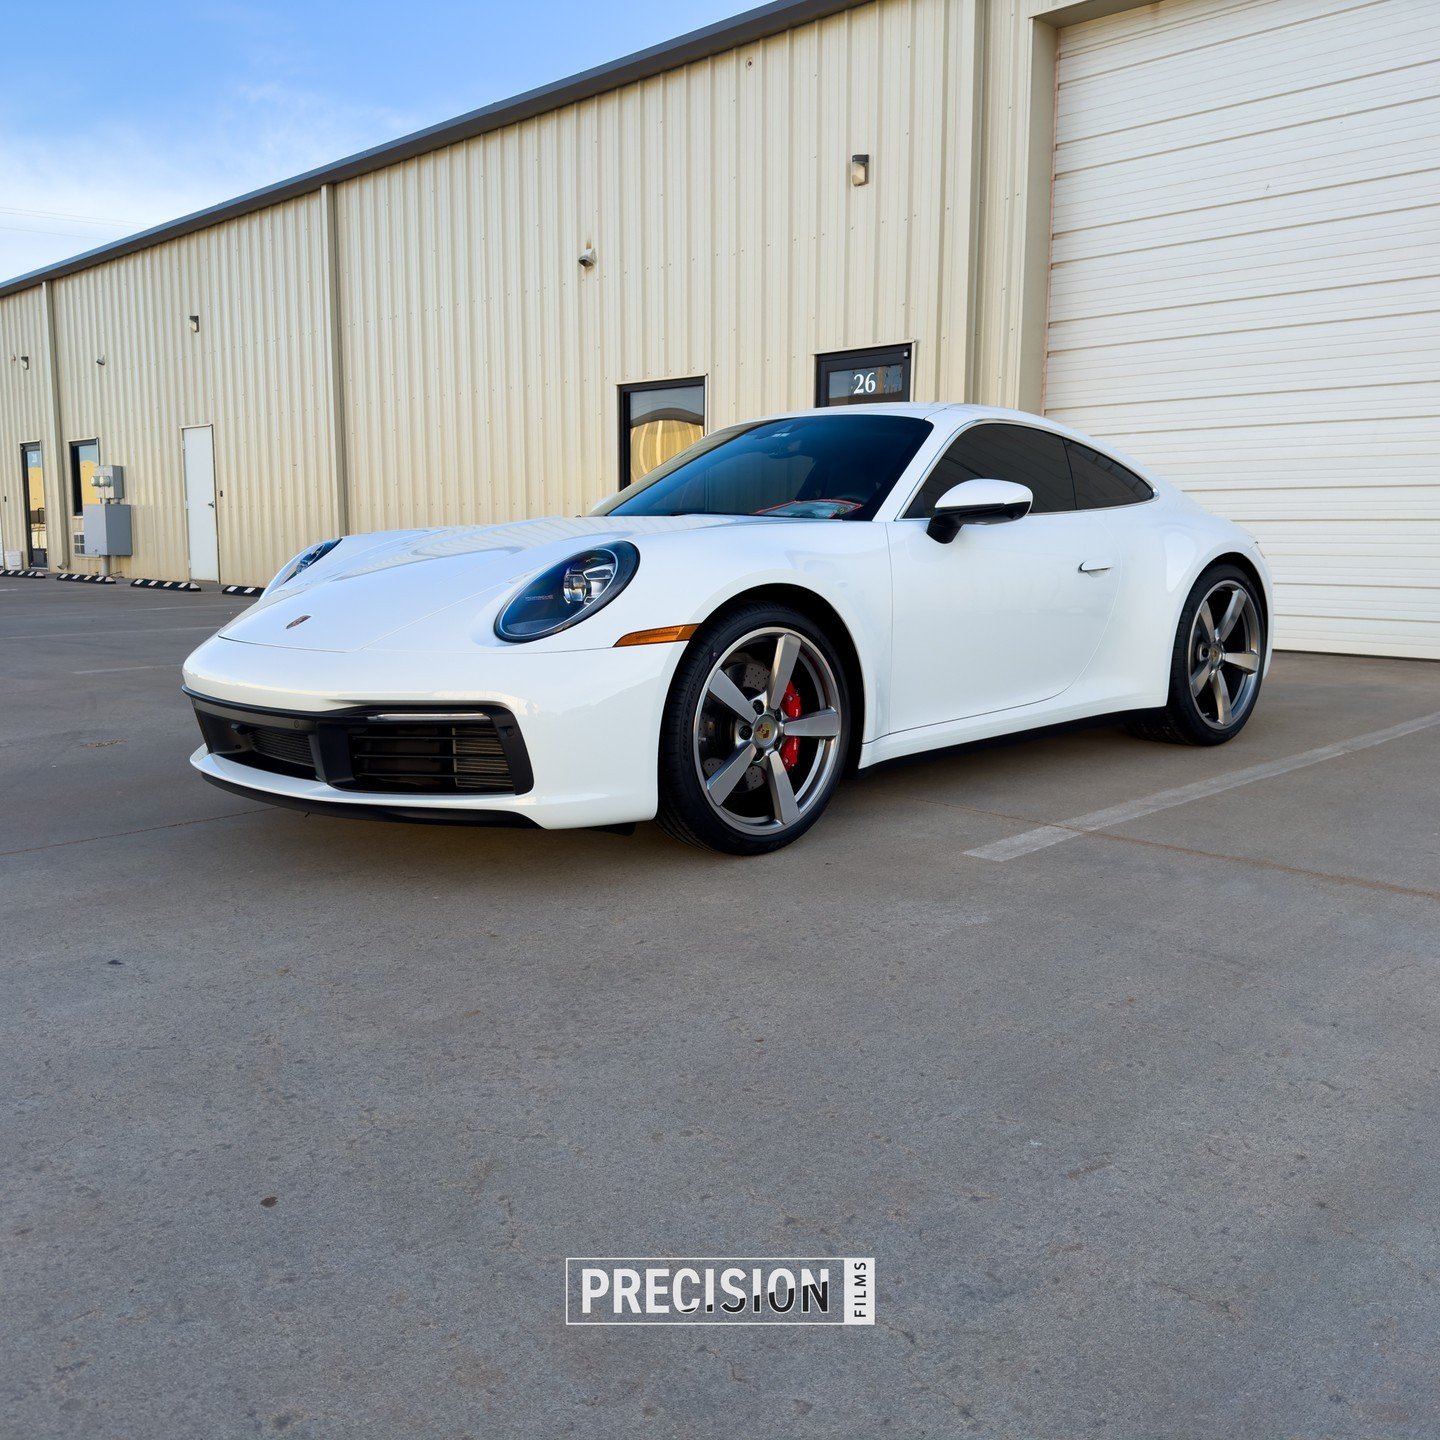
(304, 1115)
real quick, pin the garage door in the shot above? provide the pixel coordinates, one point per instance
(1245, 286)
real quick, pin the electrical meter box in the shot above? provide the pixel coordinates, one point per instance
(107, 530)
(109, 482)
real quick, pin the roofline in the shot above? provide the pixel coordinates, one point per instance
(700, 44)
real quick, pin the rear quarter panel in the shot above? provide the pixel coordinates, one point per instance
(1167, 544)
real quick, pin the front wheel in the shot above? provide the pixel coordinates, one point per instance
(755, 734)
(1215, 665)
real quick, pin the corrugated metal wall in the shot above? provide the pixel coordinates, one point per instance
(1015, 95)
(24, 407)
(482, 363)
(256, 370)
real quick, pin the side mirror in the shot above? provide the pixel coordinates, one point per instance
(977, 502)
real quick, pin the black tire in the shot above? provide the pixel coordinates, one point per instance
(700, 735)
(1194, 716)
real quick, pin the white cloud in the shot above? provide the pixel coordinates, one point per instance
(256, 135)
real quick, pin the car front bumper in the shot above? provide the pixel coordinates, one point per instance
(589, 722)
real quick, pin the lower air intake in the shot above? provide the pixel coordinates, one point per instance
(466, 757)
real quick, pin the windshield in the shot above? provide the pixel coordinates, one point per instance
(815, 467)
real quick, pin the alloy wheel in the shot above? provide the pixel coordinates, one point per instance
(1224, 654)
(766, 733)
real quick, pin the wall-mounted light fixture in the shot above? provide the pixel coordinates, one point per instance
(99, 359)
(587, 257)
(194, 324)
(24, 362)
(859, 169)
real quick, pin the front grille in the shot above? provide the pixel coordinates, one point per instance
(477, 752)
(285, 747)
(465, 756)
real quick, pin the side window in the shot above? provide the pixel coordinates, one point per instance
(1002, 452)
(1101, 482)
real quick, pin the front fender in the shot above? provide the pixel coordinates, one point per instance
(684, 577)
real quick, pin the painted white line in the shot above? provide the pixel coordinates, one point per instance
(1044, 835)
(121, 669)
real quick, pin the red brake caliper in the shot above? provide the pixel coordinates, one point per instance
(790, 709)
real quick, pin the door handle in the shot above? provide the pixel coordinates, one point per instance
(1094, 567)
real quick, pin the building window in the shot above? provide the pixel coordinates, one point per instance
(863, 377)
(84, 461)
(658, 420)
(32, 473)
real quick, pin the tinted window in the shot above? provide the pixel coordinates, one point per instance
(1101, 481)
(811, 466)
(1003, 452)
(84, 461)
(658, 422)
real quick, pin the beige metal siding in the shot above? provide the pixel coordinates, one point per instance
(1012, 214)
(419, 345)
(482, 363)
(479, 365)
(1245, 287)
(24, 409)
(256, 371)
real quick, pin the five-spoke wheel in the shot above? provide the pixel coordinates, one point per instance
(1216, 665)
(1225, 653)
(763, 703)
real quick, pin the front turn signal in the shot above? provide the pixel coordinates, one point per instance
(664, 635)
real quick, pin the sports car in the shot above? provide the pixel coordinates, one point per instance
(716, 645)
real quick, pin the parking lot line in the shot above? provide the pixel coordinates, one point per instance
(1045, 835)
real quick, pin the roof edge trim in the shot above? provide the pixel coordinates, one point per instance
(744, 29)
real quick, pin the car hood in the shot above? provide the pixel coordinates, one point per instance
(371, 586)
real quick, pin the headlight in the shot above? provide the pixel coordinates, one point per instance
(567, 593)
(303, 561)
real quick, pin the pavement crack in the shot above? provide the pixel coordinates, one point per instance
(1252, 861)
(143, 830)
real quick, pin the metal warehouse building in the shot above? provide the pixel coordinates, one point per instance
(1207, 231)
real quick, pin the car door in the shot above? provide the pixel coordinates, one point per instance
(1006, 614)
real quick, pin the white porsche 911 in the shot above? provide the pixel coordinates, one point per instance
(715, 645)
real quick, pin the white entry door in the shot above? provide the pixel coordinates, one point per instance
(199, 442)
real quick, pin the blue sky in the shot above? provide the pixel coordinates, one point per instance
(117, 116)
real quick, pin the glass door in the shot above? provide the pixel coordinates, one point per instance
(33, 473)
